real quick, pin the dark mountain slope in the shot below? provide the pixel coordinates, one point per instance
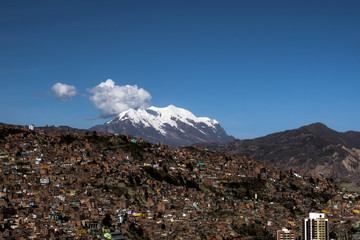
(314, 149)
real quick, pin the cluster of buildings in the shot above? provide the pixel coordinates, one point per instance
(102, 186)
(315, 227)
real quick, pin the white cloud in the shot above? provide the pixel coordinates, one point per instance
(111, 99)
(64, 92)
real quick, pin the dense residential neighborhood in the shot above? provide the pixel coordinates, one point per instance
(88, 185)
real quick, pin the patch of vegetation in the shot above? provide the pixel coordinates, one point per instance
(113, 143)
(323, 197)
(126, 191)
(248, 187)
(254, 230)
(351, 187)
(7, 131)
(161, 175)
(222, 214)
(67, 139)
(154, 173)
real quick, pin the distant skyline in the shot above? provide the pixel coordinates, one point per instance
(257, 67)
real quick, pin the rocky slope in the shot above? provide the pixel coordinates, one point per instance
(315, 149)
(170, 125)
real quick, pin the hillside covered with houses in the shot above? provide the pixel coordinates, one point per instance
(88, 185)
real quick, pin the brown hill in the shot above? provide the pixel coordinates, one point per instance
(88, 184)
(315, 149)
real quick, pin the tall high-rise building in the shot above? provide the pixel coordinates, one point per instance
(315, 227)
(285, 234)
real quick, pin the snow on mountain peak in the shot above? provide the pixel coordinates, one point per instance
(158, 117)
(169, 125)
(182, 114)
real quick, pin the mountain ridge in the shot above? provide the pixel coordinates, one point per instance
(169, 125)
(314, 148)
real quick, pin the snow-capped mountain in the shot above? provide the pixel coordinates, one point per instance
(169, 125)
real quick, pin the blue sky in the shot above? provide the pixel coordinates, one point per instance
(257, 67)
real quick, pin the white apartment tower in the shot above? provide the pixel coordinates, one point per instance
(315, 227)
